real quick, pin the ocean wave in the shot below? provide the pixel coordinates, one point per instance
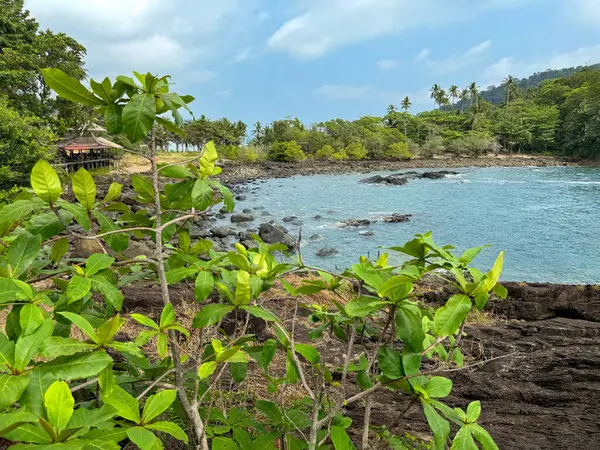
(572, 182)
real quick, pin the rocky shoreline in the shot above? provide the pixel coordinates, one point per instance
(240, 173)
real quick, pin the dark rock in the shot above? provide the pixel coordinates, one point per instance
(354, 223)
(240, 197)
(327, 251)
(220, 216)
(397, 218)
(315, 237)
(394, 180)
(331, 211)
(438, 175)
(247, 211)
(258, 208)
(247, 235)
(222, 232)
(272, 234)
(367, 233)
(288, 219)
(242, 217)
(266, 213)
(199, 233)
(249, 243)
(297, 223)
(317, 217)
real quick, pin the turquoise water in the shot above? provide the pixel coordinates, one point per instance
(546, 219)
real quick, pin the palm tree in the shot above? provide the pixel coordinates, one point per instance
(474, 93)
(464, 96)
(443, 99)
(405, 104)
(391, 109)
(453, 94)
(511, 87)
(435, 93)
(258, 132)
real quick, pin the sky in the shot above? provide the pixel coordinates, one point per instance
(263, 60)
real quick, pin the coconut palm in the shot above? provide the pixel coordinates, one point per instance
(453, 94)
(391, 109)
(443, 99)
(474, 92)
(511, 87)
(435, 93)
(406, 104)
(259, 133)
(463, 97)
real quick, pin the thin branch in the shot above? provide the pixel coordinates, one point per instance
(154, 383)
(84, 385)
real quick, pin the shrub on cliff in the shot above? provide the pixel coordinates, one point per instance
(356, 151)
(340, 155)
(286, 151)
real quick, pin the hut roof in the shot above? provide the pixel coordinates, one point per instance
(87, 143)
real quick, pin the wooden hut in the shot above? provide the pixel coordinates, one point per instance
(87, 150)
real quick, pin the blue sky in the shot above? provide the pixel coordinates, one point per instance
(319, 59)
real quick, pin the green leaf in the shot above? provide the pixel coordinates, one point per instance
(125, 404)
(45, 182)
(500, 291)
(492, 277)
(22, 252)
(162, 344)
(18, 210)
(59, 403)
(175, 172)
(8, 290)
(84, 188)
(473, 411)
(138, 116)
(438, 387)
(30, 318)
(27, 347)
(227, 197)
(7, 351)
(242, 288)
(144, 439)
(85, 417)
(111, 294)
(390, 363)
(482, 436)
(69, 88)
(205, 283)
(144, 321)
(207, 369)
(409, 328)
(30, 433)
(11, 389)
(224, 443)
(109, 329)
(157, 404)
(364, 306)
(181, 273)
(117, 241)
(309, 352)
(78, 212)
(470, 254)
(439, 426)
(82, 365)
(167, 317)
(261, 313)
(340, 439)
(48, 225)
(114, 192)
(169, 428)
(59, 249)
(448, 318)
(97, 262)
(56, 346)
(210, 315)
(202, 195)
(81, 323)
(464, 440)
(143, 187)
(397, 288)
(170, 126)
(207, 161)
(78, 288)
(239, 371)
(113, 118)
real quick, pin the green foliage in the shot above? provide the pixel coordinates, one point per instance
(398, 150)
(326, 152)
(286, 151)
(356, 151)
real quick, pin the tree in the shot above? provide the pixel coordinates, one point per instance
(258, 134)
(511, 88)
(434, 94)
(453, 93)
(464, 96)
(474, 93)
(391, 109)
(406, 104)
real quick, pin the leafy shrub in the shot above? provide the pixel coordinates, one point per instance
(340, 155)
(356, 151)
(472, 144)
(125, 385)
(325, 153)
(432, 147)
(249, 154)
(397, 151)
(286, 151)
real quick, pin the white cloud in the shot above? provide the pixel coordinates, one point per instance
(177, 37)
(388, 64)
(521, 68)
(587, 10)
(455, 62)
(242, 55)
(226, 93)
(326, 25)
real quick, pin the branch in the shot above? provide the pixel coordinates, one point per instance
(84, 385)
(154, 383)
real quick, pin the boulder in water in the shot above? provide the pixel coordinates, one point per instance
(242, 217)
(273, 234)
(397, 218)
(327, 251)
